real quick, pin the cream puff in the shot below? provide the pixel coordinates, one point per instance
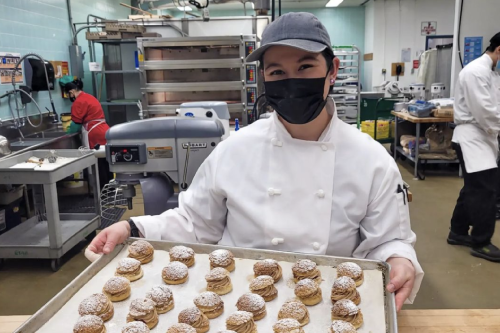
(89, 324)
(143, 309)
(254, 304)
(175, 273)
(241, 322)
(340, 326)
(117, 289)
(218, 281)
(135, 327)
(142, 251)
(268, 267)
(163, 298)
(287, 325)
(347, 311)
(345, 288)
(306, 269)
(129, 268)
(263, 285)
(181, 328)
(351, 270)
(98, 305)
(195, 318)
(182, 254)
(295, 310)
(308, 292)
(222, 258)
(210, 304)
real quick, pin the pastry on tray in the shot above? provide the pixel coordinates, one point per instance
(129, 268)
(263, 285)
(175, 273)
(306, 269)
(254, 304)
(345, 288)
(117, 289)
(295, 310)
(89, 324)
(163, 298)
(143, 309)
(142, 251)
(287, 325)
(351, 270)
(226, 331)
(98, 305)
(182, 254)
(222, 258)
(210, 304)
(308, 291)
(268, 267)
(195, 318)
(340, 326)
(241, 322)
(135, 327)
(218, 281)
(347, 311)
(181, 328)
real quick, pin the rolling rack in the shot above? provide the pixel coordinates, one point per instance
(347, 89)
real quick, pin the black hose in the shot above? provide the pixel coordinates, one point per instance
(459, 28)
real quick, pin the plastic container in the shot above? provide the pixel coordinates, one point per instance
(383, 128)
(66, 121)
(70, 182)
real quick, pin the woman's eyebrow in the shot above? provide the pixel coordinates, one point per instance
(308, 57)
(273, 64)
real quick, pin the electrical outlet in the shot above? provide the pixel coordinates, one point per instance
(384, 71)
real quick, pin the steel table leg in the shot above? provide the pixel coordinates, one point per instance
(96, 188)
(417, 147)
(395, 152)
(53, 220)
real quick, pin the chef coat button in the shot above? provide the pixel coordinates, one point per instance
(324, 147)
(273, 191)
(276, 142)
(276, 241)
(316, 246)
(320, 194)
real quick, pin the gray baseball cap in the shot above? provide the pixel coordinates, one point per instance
(300, 30)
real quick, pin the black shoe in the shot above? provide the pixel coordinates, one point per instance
(455, 239)
(489, 252)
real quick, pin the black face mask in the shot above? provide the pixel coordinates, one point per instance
(72, 98)
(298, 101)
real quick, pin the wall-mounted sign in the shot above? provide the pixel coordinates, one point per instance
(8, 61)
(473, 49)
(429, 28)
(61, 68)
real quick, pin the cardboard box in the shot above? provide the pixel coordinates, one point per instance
(121, 27)
(98, 35)
(443, 113)
(383, 128)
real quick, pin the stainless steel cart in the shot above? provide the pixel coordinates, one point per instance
(48, 235)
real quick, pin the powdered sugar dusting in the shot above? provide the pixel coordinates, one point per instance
(250, 302)
(261, 282)
(304, 266)
(190, 315)
(349, 269)
(135, 327)
(141, 307)
(286, 325)
(208, 299)
(344, 283)
(128, 264)
(221, 257)
(175, 270)
(239, 318)
(340, 326)
(217, 274)
(305, 287)
(295, 310)
(88, 323)
(181, 252)
(94, 304)
(161, 295)
(226, 331)
(116, 284)
(345, 307)
(181, 328)
(140, 247)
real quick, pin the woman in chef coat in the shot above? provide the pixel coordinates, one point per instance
(308, 183)
(477, 115)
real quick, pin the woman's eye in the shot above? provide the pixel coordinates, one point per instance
(305, 67)
(277, 72)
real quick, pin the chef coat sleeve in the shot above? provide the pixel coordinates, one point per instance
(386, 231)
(201, 215)
(477, 93)
(78, 110)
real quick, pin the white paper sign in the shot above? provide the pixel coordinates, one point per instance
(95, 67)
(8, 61)
(406, 55)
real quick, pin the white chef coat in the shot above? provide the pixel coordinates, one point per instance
(261, 188)
(477, 114)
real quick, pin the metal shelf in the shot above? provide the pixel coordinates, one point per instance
(191, 64)
(125, 71)
(115, 41)
(120, 103)
(193, 86)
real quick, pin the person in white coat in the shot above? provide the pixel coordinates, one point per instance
(300, 181)
(477, 116)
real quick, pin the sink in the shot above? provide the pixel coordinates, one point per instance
(49, 134)
(51, 139)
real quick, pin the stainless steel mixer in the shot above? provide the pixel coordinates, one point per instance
(156, 153)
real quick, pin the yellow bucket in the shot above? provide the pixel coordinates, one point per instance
(66, 121)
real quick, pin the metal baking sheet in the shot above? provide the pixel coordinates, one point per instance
(377, 306)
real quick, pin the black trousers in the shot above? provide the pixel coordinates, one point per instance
(476, 204)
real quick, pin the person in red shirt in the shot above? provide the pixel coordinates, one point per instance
(87, 115)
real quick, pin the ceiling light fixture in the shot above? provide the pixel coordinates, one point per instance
(334, 3)
(185, 9)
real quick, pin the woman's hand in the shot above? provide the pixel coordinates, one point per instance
(402, 279)
(107, 239)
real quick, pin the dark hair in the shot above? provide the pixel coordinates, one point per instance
(328, 58)
(494, 43)
(75, 85)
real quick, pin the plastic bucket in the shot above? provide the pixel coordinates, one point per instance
(70, 183)
(66, 121)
